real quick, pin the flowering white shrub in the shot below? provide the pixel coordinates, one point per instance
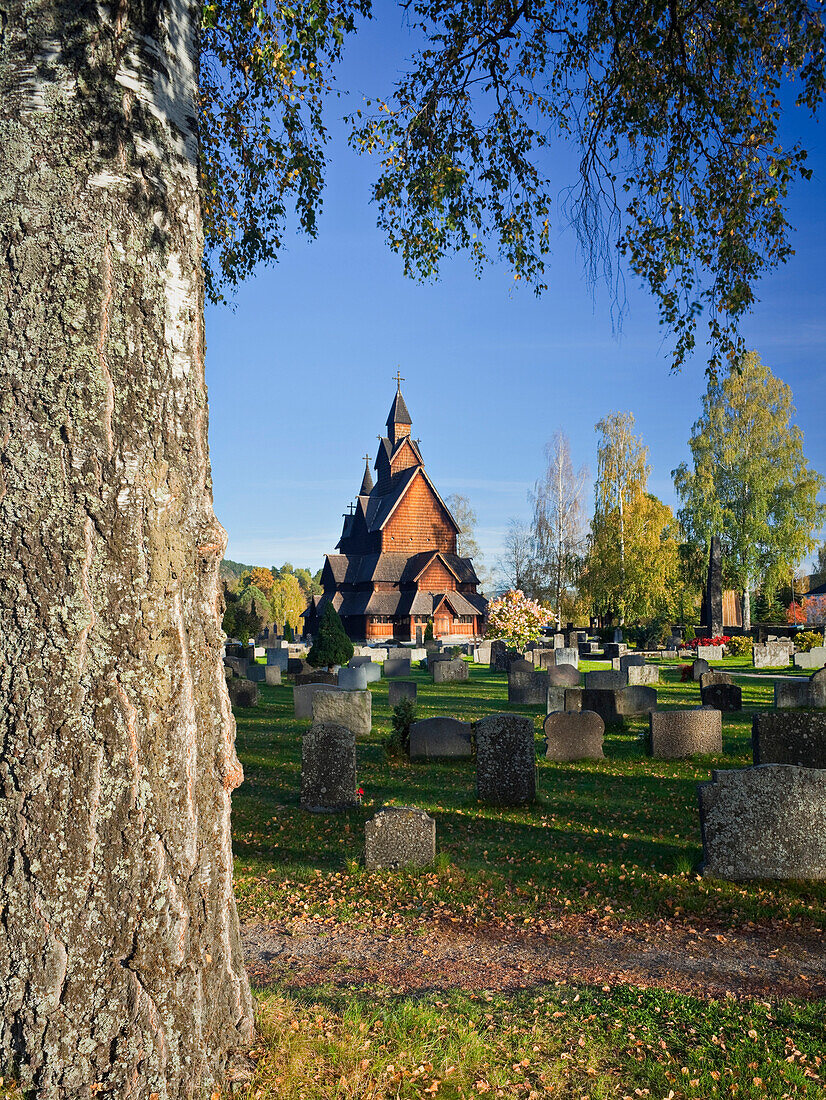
(517, 618)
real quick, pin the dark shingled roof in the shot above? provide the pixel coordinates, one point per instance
(367, 480)
(398, 413)
(394, 568)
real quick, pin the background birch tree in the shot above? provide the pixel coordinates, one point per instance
(750, 481)
(559, 527)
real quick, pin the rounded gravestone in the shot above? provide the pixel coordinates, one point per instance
(699, 668)
(817, 689)
(563, 676)
(675, 734)
(505, 760)
(328, 768)
(728, 697)
(574, 735)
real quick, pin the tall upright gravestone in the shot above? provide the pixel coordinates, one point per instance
(713, 609)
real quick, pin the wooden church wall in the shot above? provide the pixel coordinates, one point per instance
(418, 524)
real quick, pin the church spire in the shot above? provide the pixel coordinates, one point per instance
(398, 419)
(367, 480)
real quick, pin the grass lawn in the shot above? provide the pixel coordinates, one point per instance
(610, 843)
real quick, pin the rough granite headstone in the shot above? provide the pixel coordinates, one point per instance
(564, 676)
(398, 653)
(710, 652)
(637, 675)
(505, 760)
(766, 822)
(397, 666)
(562, 698)
(713, 604)
(272, 675)
(615, 705)
(567, 655)
(793, 738)
(399, 836)
(527, 687)
(401, 689)
(239, 665)
(770, 655)
(242, 693)
(714, 676)
(257, 673)
(352, 709)
(328, 768)
(448, 672)
(432, 738)
(614, 649)
(501, 655)
(673, 734)
(574, 735)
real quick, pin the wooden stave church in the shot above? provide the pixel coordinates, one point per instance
(397, 565)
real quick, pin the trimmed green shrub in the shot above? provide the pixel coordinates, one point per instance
(404, 715)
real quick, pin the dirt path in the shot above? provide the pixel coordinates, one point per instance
(667, 955)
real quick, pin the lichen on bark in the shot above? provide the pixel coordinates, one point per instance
(120, 965)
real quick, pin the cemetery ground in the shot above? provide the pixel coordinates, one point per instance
(564, 949)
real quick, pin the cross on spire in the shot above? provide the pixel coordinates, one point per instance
(367, 457)
(397, 378)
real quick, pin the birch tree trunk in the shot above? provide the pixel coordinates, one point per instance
(120, 966)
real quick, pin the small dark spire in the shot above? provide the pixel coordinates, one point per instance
(367, 480)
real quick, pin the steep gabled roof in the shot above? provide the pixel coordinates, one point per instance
(388, 504)
(445, 562)
(367, 480)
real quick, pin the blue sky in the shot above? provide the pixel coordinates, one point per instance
(300, 371)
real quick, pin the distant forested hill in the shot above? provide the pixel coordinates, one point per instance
(232, 570)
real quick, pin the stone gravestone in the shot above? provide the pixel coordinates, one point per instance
(673, 734)
(798, 738)
(239, 665)
(397, 666)
(372, 671)
(353, 679)
(574, 735)
(483, 654)
(604, 679)
(352, 709)
(718, 690)
(767, 822)
(563, 676)
(817, 689)
(401, 689)
(447, 672)
(770, 655)
(328, 768)
(272, 675)
(297, 666)
(398, 653)
(713, 603)
(567, 655)
(815, 658)
(527, 687)
(791, 693)
(501, 655)
(562, 698)
(399, 836)
(699, 668)
(277, 658)
(505, 760)
(257, 673)
(242, 693)
(359, 659)
(637, 675)
(614, 649)
(317, 676)
(617, 635)
(629, 659)
(432, 738)
(559, 641)
(303, 698)
(614, 705)
(710, 652)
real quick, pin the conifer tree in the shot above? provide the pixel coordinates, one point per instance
(332, 646)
